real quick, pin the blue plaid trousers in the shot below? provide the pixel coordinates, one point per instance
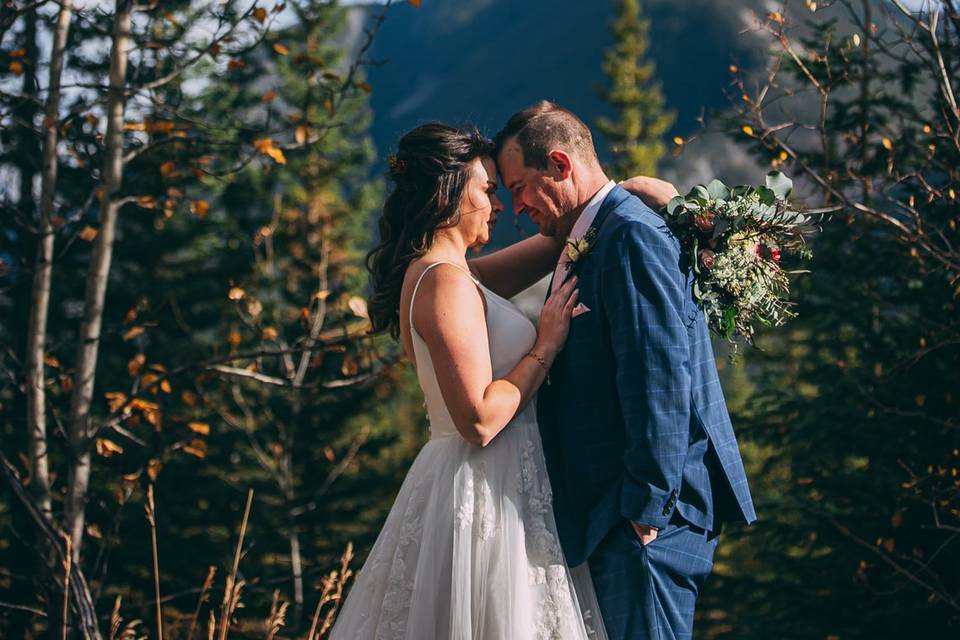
(649, 592)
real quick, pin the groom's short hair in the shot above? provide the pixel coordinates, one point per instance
(544, 127)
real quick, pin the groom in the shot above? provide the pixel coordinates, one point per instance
(642, 457)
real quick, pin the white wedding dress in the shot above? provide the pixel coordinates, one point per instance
(470, 550)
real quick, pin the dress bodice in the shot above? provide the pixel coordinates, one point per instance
(509, 333)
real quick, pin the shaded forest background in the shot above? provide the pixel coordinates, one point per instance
(187, 191)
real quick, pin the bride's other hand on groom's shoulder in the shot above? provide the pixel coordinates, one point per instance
(654, 192)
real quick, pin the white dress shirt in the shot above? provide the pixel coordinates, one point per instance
(580, 227)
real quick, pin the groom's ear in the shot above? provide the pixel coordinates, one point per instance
(559, 164)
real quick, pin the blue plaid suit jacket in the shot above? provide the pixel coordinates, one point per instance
(633, 420)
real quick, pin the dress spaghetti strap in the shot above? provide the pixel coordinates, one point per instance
(416, 287)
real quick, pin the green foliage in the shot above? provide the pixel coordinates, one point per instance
(636, 133)
(854, 410)
(248, 216)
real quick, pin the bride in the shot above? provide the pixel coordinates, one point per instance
(469, 549)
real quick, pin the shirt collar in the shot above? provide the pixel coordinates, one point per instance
(590, 211)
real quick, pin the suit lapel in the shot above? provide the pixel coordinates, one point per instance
(613, 200)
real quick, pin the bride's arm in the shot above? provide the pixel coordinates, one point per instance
(510, 270)
(448, 313)
(654, 192)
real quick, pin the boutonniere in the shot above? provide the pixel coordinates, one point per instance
(579, 248)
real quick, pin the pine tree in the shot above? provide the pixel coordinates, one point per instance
(856, 404)
(636, 134)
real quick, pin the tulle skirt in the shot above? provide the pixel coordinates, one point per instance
(470, 551)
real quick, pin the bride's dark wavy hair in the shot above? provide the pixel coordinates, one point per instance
(430, 172)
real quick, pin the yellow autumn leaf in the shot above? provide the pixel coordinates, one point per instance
(234, 338)
(149, 379)
(677, 140)
(747, 129)
(135, 363)
(775, 16)
(269, 333)
(94, 531)
(189, 398)
(196, 448)
(88, 233)
(153, 417)
(266, 147)
(300, 134)
(16, 68)
(199, 427)
(153, 468)
(18, 53)
(147, 202)
(280, 49)
(887, 144)
(856, 39)
(115, 400)
(165, 386)
(236, 293)
(260, 15)
(358, 306)
(51, 361)
(167, 168)
(132, 333)
(199, 208)
(107, 448)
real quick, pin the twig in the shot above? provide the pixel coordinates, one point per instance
(82, 601)
(150, 508)
(232, 578)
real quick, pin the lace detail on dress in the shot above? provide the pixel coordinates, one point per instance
(478, 502)
(396, 600)
(557, 617)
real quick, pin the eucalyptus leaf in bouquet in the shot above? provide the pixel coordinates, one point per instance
(737, 239)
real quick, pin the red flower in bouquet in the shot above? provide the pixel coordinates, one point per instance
(704, 222)
(707, 258)
(768, 251)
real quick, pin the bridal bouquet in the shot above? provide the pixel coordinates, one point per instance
(736, 239)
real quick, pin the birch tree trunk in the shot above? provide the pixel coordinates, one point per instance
(43, 269)
(96, 289)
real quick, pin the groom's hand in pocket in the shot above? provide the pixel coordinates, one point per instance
(644, 533)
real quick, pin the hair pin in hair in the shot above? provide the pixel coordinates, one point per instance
(397, 165)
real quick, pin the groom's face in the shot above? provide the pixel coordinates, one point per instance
(537, 193)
